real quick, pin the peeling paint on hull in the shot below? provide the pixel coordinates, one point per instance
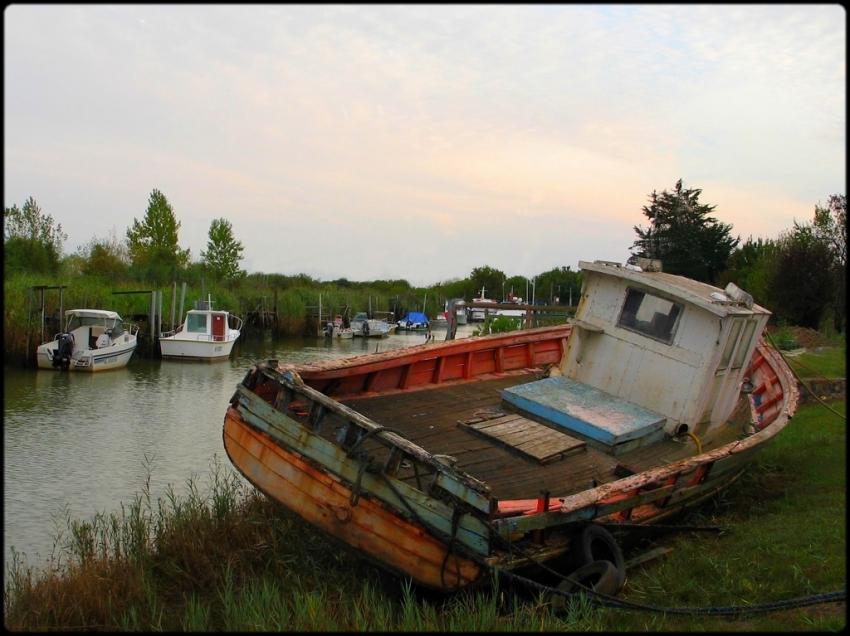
(276, 462)
(326, 503)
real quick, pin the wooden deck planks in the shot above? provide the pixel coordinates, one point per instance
(530, 438)
(429, 418)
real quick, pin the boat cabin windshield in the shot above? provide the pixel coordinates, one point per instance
(196, 323)
(649, 315)
(112, 325)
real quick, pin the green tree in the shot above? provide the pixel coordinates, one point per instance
(561, 283)
(801, 283)
(490, 279)
(681, 233)
(32, 241)
(518, 285)
(751, 267)
(830, 227)
(152, 243)
(455, 288)
(223, 251)
(105, 257)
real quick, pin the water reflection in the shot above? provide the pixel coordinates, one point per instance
(85, 442)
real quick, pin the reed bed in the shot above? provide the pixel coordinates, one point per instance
(229, 559)
(21, 310)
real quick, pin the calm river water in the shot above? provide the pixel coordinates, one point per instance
(80, 443)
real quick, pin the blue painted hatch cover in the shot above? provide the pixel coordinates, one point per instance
(584, 409)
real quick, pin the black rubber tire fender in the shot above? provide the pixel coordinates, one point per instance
(595, 543)
(599, 576)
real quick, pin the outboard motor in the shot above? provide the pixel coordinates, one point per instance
(62, 355)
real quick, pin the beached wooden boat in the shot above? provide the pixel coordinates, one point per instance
(441, 460)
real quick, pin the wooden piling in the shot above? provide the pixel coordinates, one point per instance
(159, 314)
(151, 314)
(182, 298)
(173, 302)
(42, 315)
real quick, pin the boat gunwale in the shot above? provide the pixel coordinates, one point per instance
(293, 381)
(573, 505)
(585, 498)
(368, 362)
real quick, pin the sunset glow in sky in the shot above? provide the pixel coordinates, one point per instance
(416, 141)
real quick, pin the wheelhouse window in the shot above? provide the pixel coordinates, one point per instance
(196, 323)
(649, 315)
(734, 334)
(746, 341)
(741, 335)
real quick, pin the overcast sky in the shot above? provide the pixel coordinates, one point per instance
(419, 142)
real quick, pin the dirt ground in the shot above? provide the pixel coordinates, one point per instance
(805, 337)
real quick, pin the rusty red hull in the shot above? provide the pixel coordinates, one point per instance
(291, 462)
(325, 502)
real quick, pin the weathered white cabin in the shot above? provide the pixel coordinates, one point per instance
(669, 344)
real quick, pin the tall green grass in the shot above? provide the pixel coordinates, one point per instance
(786, 538)
(21, 315)
(225, 558)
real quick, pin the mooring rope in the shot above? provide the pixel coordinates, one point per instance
(800, 380)
(616, 603)
(733, 610)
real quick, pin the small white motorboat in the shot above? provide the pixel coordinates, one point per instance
(414, 321)
(478, 314)
(337, 329)
(366, 327)
(206, 334)
(93, 340)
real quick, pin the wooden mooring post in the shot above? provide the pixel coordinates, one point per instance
(531, 311)
(151, 312)
(41, 289)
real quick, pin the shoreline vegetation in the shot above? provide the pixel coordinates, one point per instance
(289, 296)
(226, 558)
(800, 276)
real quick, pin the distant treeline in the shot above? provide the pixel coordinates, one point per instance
(800, 275)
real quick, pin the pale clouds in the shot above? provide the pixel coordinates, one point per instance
(422, 141)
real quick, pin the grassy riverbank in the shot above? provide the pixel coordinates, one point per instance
(227, 559)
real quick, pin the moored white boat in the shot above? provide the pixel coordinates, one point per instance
(93, 340)
(478, 314)
(363, 326)
(206, 334)
(337, 329)
(414, 321)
